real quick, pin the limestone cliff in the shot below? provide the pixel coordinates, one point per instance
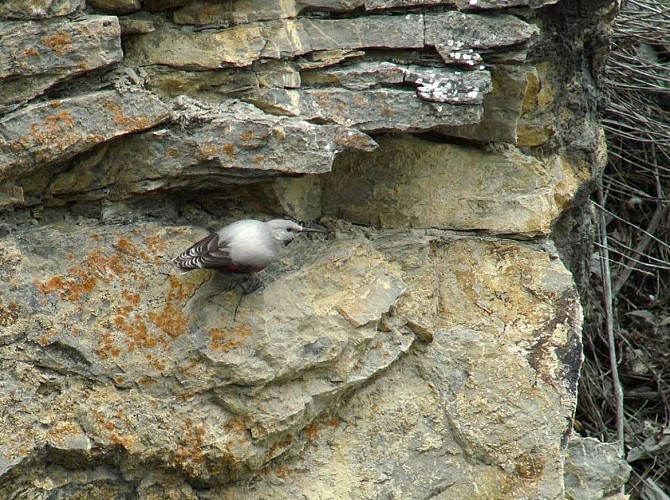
(428, 346)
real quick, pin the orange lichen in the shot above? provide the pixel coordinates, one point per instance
(312, 431)
(236, 424)
(32, 52)
(120, 118)
(352, 141)
(137, 333)
(63, 430)
(228, 149)
(333, 422)
(44, 340)
(147, 381)
(171, 319)
(279, 447)
(106, 424)
(108, 347)
(125, 441)
(52, 132)
(387, 112)
(190, 453)
(126, 246)
(157, 363)
(72, 287)
(208, 150)
(60, 43)
(225, 339)
(54, 121)
(94, 139)
(9, 313)
(172, 152)
(155, 244)
(131, 298)
(247, 136)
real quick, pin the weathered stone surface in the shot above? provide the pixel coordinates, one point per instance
(18, 91)
(514, 108)
(432, 84)
(457, 36)
(115, 6)
(236, 46)
(414, 432)
(66, 46)
(410, 183)
(209, 146)
(10, 194)
(392, 4)
(137, 359)
(228, 13)
(57, 130)
(158, 5)
(167, 81)
(215, 13)
(97, 299)
(367, 110)
(467, 5)
(38, 9)
(359, 75)
(241, 45)
(502, 118)
(377, 361)
(64, 49)
(293, 38)
(536, 124)
(135, 25)
(593, 469)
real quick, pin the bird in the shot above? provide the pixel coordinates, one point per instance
(243, 247)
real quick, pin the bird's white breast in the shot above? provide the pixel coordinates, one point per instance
(250, 243)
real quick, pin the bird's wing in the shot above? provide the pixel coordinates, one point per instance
(210, 252)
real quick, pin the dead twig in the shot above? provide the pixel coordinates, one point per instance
(609, 322)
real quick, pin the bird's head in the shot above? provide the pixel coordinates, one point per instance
(286, 230)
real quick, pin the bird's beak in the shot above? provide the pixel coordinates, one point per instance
(312, 230)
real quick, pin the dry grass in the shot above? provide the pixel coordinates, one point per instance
(635, 202)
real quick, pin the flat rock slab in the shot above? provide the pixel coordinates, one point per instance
(36, 55)
(437, 84)
(456, 36)
(491, 385)
(594, 469)
(66, 46)
(424, 184)
(105, 348)
(222, 14)
(105, 305)
(206, 145)
(459, 37)
(366, 110)
(53, 131)
(38, 9)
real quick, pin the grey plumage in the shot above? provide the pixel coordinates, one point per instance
(245, 246)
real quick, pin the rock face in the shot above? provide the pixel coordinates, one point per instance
(427, 346)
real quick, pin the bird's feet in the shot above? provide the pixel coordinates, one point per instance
(249, 282)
